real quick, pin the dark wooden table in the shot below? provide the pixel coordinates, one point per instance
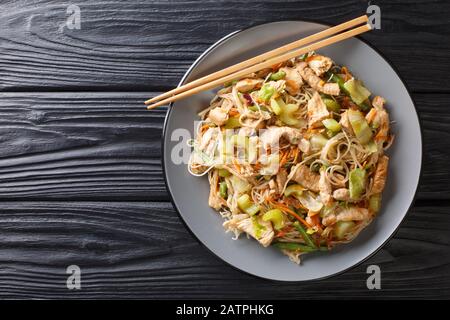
(80, 171)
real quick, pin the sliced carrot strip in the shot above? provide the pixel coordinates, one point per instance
(292, 213)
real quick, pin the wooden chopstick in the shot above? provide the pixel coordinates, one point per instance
(266, 64)
(260, 58)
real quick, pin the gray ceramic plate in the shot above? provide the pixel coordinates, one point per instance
(190, 194)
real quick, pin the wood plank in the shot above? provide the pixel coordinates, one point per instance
(78, 145)
(139, 46)
(106, 146)
(142, 250)
(435, 121)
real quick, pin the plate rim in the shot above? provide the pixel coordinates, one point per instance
(163, 137)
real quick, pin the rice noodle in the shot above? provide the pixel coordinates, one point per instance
(331, 163)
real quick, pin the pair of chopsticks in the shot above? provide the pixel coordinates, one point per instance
(265, 60)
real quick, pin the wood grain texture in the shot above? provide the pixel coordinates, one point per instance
(148, 45)
(78, 146)
(106, 146)
(80, 172)
(142, 250)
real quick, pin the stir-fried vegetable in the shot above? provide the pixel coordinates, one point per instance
(332, 125)
(318, 141)
(247, 205)
(240, 185)
(287, 115)
(375, 203)
(308, 240)
(332, 105)
(224, 173)
(276, 105)
(330, 134)
(306, 198)
(223, 189)
(307, 166)
(275, 216)
(354, 90)
(357, 182)
(360, 127)
(293, 246)
(294, 190)
(340, 82)
(271, 166)
(326, 210)
(371, 147)
(286, 112)
(357, 91)
(278, 75)
(309, 201)
(257, 226)
(266, 92)
(342, 228)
